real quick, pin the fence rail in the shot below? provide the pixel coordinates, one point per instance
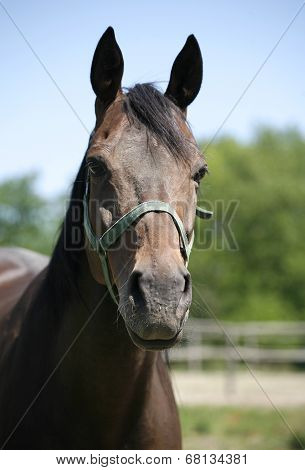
(238, 342)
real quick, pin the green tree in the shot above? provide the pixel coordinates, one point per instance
(264, 277)
(26, 219)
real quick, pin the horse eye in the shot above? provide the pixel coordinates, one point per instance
(197, 177)
(96, 166)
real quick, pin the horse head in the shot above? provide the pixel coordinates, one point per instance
(141, 151)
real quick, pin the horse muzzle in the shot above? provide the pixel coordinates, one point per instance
(158, 306)
(155, 344)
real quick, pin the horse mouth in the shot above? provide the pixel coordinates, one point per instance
(156, 344)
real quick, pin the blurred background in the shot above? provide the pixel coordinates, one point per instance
(239, 373)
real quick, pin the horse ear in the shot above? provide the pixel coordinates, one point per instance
(186, 75)
(107, 68)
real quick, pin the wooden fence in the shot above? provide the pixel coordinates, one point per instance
(208, 340)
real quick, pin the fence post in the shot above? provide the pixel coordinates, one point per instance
(230, 376)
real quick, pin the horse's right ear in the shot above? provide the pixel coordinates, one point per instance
(107, 68)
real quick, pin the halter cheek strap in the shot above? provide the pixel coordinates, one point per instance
(102, 244)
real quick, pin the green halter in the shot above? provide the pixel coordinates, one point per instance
(103, 243)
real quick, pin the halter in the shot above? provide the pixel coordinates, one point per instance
(102, 244)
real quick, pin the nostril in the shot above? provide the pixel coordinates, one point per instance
(134, 283)
(187, 282)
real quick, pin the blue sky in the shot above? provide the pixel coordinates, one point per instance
(39, 131)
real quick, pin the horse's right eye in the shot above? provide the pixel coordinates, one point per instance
(96, 166)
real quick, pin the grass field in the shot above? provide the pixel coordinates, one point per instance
(239, 428)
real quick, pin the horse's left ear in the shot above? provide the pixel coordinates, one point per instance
(186, 75)
(107, 68)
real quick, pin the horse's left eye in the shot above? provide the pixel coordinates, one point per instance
(197, 177)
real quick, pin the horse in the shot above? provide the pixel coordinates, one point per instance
(83, 365)
(18, 267)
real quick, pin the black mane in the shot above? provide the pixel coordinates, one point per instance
(145, 104)
(64, 264)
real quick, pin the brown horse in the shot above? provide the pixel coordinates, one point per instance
(18, 267)
(78, 372)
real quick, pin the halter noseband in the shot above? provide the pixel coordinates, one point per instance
(103, 243)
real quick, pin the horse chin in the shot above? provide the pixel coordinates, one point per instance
(156, 344)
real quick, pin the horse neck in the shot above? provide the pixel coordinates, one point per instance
(96, 372)
(102, 352)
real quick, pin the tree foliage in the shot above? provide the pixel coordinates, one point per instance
(263, 279)
(27, 219)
